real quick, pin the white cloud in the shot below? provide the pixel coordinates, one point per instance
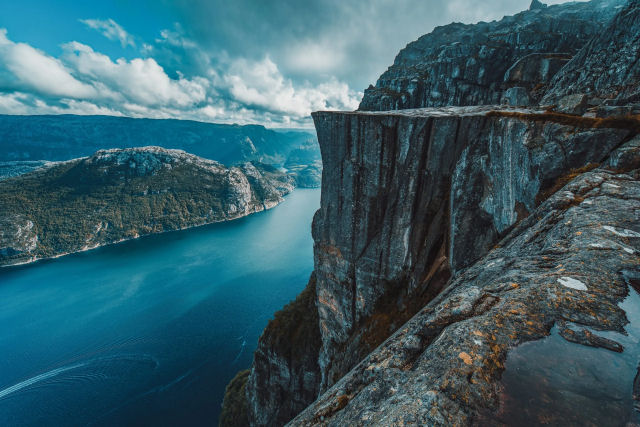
(260, 83)
(225, 90)
(33, 70)
(140, 80)
(111, 30)
(23, 103)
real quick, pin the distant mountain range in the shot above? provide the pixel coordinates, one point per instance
(64, 137)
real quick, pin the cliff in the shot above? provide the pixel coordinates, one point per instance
(476, 264)
(121, 194)
(508, 61)
(413, 196)
(562, 277)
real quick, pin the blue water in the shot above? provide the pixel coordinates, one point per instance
(148, 331)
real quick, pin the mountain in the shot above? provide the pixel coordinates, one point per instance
(121, 194)
(474, 264)
(511, 60)
(64, 137)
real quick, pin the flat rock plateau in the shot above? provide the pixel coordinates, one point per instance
(477, 244)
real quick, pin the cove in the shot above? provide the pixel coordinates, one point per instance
(148, 331)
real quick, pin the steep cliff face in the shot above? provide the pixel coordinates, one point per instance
(511, 60)
(496, 225)
(410, 197)
(565, 277)
(606, 71)
(285, 375)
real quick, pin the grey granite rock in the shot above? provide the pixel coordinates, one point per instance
(607, 68)
(461, 64)
(412, 196)
(564, 266)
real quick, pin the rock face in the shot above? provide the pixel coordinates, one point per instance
(607, 69)
(461, 64)
(120, 194)
(562, 271)
(285, 375)
(504, 236)
(434, 190)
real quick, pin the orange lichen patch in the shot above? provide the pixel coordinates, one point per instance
(466, 358)
(329, 304)
(331, 250)
(341, 402)
(338, 404)
(515, 285)
(562, 181)
(629, 122)
(478, 333)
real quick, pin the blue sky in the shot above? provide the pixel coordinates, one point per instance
(241, 61)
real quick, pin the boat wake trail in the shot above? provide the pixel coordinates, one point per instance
(244, 343)
(55, 372)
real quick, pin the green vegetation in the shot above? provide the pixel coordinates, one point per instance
(235, 408)
(85, 203)
(294, 329)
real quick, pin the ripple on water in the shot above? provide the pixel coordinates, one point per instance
(555, 382)
(117, 372)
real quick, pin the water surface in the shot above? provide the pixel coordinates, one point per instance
(148, 331)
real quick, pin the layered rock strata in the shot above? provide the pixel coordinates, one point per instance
(566, 273)
(511, 60)
(411, 197)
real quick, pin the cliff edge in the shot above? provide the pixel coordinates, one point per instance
(470, 260)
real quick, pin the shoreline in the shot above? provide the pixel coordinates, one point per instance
(265, 207)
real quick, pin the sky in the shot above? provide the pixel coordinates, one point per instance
(269, 62)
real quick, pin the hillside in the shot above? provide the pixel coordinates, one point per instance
(120, 194)
(65, 137)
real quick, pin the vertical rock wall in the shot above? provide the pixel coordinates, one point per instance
(409, 197)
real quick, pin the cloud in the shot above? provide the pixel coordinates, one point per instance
(111, 30)
(26, 68)
(221, 89)
(313, 40)
(140, 81)
(260, 84)
(244, 61)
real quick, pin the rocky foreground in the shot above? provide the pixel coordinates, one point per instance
(477, 248)
(121, 194)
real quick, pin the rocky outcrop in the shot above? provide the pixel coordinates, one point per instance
(475, 64)
(513, 233)
(559, 277)
(434, 190)
(607, 70)
(307, 176)
(121, 194)
(285, 375)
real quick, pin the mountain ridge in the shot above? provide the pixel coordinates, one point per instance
(121, 194)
